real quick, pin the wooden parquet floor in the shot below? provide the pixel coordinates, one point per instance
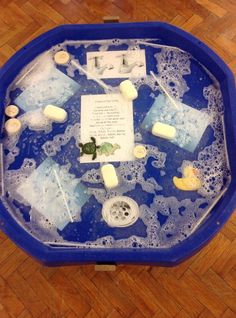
(205, 285)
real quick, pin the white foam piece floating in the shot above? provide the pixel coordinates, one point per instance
(163, 131)
(109, 176)
(55, 113)
(128, 90)
(120, 211)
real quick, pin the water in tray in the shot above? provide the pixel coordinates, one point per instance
(60, 200)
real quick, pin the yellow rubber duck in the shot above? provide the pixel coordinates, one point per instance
(190, 180)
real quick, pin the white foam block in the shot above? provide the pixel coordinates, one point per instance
(109, 176)
(163, 130)
(128, 90)
(55, 113)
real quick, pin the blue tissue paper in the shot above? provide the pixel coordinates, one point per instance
(189, 122)
(54, 193)
(55, 88)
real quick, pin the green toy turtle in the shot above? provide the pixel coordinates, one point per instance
(90, 148)
(107, 149)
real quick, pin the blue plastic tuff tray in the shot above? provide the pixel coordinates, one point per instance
(68, 245)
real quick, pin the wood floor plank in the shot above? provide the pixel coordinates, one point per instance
(138, 314)
(204, 295)
(230, 278)
(11, 264)
(229, 229)
(213, 7)
(206, 314)
(3, 312)
(71, 295)
(182, 314)
(92, 314)
(115, 314)
(116, 296)
(26, 294)
(91, 292)
(28, 268)
(6, 249)
(9, 300)
(163, 299)
(26, 314)
(48, 294)
(145, 303)
(221, 288)
(192, 22)
(182, 296)
(204, 262)
(229, 314)
(227, 260)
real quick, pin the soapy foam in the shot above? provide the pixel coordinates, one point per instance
(35, 71)
(51, 148)
(172, 65)
(148, 80)
(212, 161)
(36, 121)
(14, 178)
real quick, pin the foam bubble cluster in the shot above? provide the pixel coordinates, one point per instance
(148, 80)
(172, 65)
(14, 178)
(52, 147)
(35, 71)
(36, 121)
(212, 160)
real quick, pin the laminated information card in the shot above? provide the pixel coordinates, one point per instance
(107, 129)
